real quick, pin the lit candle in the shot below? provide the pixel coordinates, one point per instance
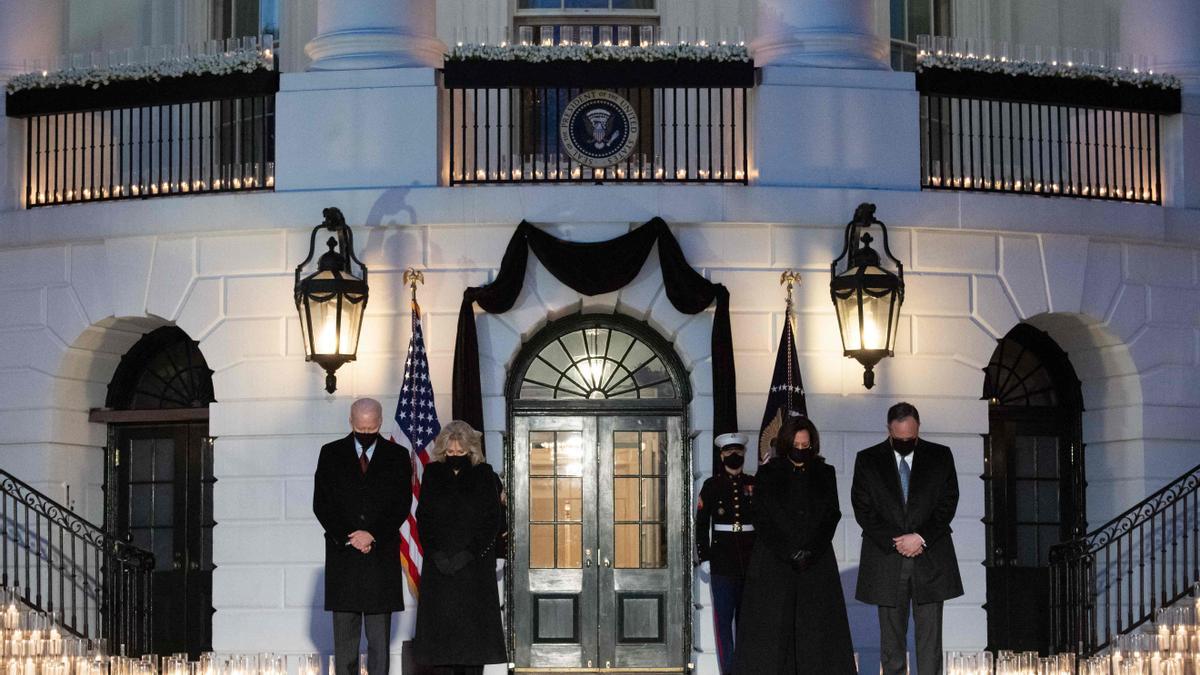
(55, 642)
(11, 617)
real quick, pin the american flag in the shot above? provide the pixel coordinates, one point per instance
(416, 418)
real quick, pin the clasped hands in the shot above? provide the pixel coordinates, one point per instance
(361, 540)
(909, 545)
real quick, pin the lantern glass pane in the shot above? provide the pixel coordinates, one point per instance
(847, 309)
(875, 321)
(352, 316)
(324, 325)
(304, 330)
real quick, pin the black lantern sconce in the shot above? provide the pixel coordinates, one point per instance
(866, 296)
(331, 301)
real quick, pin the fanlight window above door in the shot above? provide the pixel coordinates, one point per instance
(597, 363)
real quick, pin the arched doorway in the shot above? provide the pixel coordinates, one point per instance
(159, 478)
(598, 468)
(1034, 486)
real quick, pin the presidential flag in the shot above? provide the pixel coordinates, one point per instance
(786, 396)
(417, 420)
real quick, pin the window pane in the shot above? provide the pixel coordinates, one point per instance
(625, 453)
(164, 504)
(1025, 448)
(627, 553)
(164, 459)
(569, 453)
(541, 453)
(585, 4)
(654, 456)
(898, 19)
(141, 505)
(633, 4)
(1047, 457)
(920, 18)
(654, 498)
(625, 499)
(570, 547)
(541, 499)
(570, 499)
(1048, 502)
(654, 546)
(164, 548)
(141, 459)
(541, 546)
(539, 4)
(1026, 496)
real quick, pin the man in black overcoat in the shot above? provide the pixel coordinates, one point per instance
(905, 493)
(361, 495)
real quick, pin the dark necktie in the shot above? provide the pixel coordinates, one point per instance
(363, 461)
(904, 474)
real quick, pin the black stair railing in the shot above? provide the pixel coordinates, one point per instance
(96, 585)
(1113, 579)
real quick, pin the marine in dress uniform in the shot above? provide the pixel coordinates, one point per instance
(725, 538)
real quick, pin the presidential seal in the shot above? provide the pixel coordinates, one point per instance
(598, 128)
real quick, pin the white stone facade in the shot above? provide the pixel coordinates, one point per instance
(1127, 310)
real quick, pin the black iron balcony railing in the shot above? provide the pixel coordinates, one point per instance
(505, 122)
(130, 140)
(1000, 133)
(99, 586)
(1113, 579)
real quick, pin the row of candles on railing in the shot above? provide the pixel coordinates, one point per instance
(1004, 52)
(570, 35)
(250, 180)
(1047, 188)
(263, 45)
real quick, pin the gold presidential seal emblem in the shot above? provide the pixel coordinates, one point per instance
(598, 128)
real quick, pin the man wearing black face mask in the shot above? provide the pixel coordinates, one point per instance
(905, 493)
(727, 507)
(361, 495)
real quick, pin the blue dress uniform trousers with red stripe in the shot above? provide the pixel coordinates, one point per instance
(725, 538)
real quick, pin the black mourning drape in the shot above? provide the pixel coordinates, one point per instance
(591, 269)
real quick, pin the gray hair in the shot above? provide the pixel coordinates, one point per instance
(468, 438)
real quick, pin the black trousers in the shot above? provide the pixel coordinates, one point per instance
(893, 631)
(456, 670)
(347, 636)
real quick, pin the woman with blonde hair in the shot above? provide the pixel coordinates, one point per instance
(458, 516)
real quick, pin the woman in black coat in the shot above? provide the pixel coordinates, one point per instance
(793, 613)
(458, 516)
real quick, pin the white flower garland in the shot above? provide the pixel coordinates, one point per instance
(546, 54)
(1113, 76)
(242, 61)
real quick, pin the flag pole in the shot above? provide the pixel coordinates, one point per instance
(790, 279)
(414, 276)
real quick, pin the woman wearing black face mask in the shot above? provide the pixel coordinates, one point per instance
(794, 614)
(458, 517)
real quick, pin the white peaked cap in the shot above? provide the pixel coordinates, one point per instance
(730, 439)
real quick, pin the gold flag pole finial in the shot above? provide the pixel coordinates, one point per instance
(790, 279)
(412, 277)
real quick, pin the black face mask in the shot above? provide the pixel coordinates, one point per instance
(365, 440)
(799, 455)
(904, 447)
(458, 462)
(734, 461)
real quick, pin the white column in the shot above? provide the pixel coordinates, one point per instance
(360, 34)
(1166, 31)
(819, 33)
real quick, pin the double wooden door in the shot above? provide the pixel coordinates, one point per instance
(599, 524)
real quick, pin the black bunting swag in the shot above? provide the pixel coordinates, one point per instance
(591, 269)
